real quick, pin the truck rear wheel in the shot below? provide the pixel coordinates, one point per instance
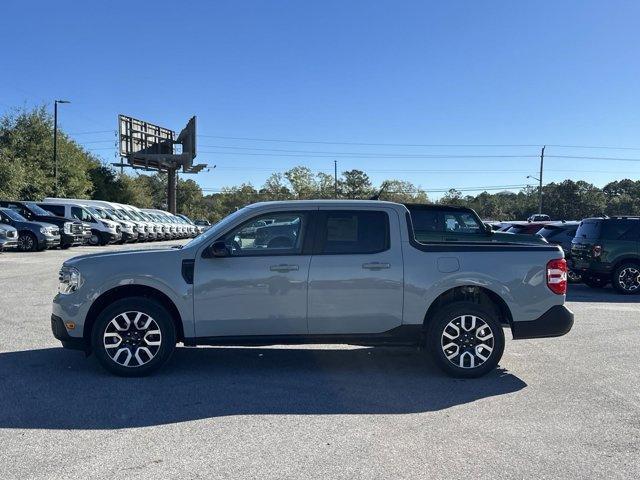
(133, 337)
(465, 339)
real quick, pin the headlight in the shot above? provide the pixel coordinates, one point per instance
(108, 225)
(70, 280)
(67, 227)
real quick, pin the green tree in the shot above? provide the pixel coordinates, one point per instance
(402, 191)
(355, 184)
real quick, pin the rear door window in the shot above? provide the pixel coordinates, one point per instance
(353, 232)
(622, 229)
(57, 210)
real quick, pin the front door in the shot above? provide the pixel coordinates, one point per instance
(356, 273)
(261, 287)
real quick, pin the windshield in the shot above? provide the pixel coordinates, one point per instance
(133, 214)
(37, 210)
(12, 214)
(98, 212)
(118, 214)
(124, 214)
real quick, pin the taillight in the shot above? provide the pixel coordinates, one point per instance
(597, 250)
(557, 276)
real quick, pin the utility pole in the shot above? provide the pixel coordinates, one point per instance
(335, 179)
(171, 189)
(55, 144)
(541, 168)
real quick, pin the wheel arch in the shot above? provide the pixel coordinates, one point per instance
(627, 259)
(125, 291)
(475, 294)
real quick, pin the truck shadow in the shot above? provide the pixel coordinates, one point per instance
(57, 389)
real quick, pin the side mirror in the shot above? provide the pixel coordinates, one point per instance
(219, 249)
(488, 229)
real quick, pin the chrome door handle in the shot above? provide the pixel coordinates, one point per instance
(376, 265)
(283, 267)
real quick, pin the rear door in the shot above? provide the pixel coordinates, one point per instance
(356, 273)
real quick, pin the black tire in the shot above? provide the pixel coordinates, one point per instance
(594, 281)
(467, 343)
(95, 238)
(129, 307)
(27, 242)
(626, 278)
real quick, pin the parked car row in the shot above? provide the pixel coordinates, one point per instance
(66, 222)
(599, 250)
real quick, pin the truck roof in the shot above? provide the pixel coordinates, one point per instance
(324, 203)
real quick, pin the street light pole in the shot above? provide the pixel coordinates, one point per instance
(55, 144)
(335, 179)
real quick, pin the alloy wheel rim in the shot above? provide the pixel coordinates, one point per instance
(132, 339)
(629, 279)
(467, 341)
(25, 242)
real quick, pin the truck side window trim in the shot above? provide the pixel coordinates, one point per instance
(307, 230)
(322, 232)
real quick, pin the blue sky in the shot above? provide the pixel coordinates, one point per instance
(352, 72)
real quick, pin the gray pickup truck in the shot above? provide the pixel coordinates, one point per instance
(330, 271)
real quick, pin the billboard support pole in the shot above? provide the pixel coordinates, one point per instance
(171, 190)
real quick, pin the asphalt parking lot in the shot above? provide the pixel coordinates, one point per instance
(567, 407)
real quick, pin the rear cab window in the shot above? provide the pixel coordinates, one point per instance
(428, 222)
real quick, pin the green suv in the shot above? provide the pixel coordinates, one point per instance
(444, 223)
(608, 250)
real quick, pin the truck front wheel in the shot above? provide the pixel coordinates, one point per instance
(133, 336)
(465, 339)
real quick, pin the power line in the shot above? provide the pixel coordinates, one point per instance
(578, 157)
(322, 142)
(594, 147)
(448, 145)
(90, 132)
(399, 155)
(365, 155)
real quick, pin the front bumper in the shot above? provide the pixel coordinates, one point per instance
(129, 237)
(108, 237)
(51, 241)
(8, 243)
(555, 322)
(67, 239)
(60, 332)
